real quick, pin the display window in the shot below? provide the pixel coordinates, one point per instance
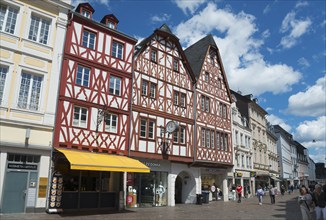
(147, 190)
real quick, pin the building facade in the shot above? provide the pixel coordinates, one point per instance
(284, 143)
(91, 136)
(243, 152)
(162, 129)
(213, 152)
(302, 161)
(32, 40)
(273, 156)
(311, 171)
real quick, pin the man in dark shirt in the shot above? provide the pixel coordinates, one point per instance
(319, 199)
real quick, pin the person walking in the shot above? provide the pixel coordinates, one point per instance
(319, 199)
(272, 194)
(282, 190)
(305, 202)
(260, 193)
(239, 192)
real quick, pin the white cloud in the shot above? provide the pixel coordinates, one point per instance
(267, 9)
(294, 28)
(274, 120)
(160, 18)
(301, 4)
(189, 5)
(303, 62)
(102, 2)
(312, 133)
(311, 102)
(266, 34)
(239, 50)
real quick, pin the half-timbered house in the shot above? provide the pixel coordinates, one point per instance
(162, 123)
(93, 115)
(212, 141)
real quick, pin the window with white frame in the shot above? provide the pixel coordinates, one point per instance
(30, 91)
(117, 50)
(153, 55)
(115, 85)
(203, 135)
(80, 117)
(3, 75)
(147, 128)
(179, 136)
(144, 88)
(206, 77)
(89, 39)
(111, 122)
(86, 13)
(176, 98)
(39, 29)
(183, 100)
(205, 104)
(8, 18)
(82, 77)
(218, 141)
(213, 138)
(175, 65)
(152, 90)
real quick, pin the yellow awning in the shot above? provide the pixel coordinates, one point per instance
(82, 160)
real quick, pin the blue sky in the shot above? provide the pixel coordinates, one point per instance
(274, 50)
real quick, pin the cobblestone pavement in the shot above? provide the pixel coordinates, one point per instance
(286, 207)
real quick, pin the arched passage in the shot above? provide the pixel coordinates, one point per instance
(185, 188)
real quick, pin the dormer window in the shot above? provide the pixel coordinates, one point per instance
(86, 13)
(111, 25)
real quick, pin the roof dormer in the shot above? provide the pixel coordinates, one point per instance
(85, 9)
(110, 20)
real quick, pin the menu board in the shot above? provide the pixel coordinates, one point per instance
(55, 194)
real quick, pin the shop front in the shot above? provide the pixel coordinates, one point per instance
(246, 179)
(84, 180)
(212, 183)
(149, 189)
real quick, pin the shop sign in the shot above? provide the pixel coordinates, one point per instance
(152, 164)
(252, 174)
(42, 187)
(238, 174)
(130, 199)
(22, 166)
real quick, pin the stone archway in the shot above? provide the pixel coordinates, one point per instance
(185, 188)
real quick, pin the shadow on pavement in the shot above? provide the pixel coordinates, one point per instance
(90, 213)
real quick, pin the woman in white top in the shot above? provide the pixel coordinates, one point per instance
(305, 201)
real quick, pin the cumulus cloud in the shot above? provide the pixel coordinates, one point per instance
(189, 6)
(303, 62)
(294, 28)
(239, 49)
(312, 134)
(77, 2)
(275, 120)
(160, 18)
(311, 102)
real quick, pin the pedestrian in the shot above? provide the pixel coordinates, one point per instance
(305, 202)
(272, 194)
(319, 199)
(239, 192)
(282, 190)
(260, 193)
(291, 188)
(233, 192)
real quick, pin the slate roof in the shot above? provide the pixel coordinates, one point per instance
(196, 53)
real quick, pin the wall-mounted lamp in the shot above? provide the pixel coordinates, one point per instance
(27, 135)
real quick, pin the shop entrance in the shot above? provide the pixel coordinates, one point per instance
(14, 196)
(178, 190)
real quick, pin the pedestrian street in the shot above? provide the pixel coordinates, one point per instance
(286, 207)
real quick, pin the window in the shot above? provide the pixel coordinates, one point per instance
(89, 39)
(80, 117)
(226, 147)
(152, 92)
(175, 65)
(212, 59)
(111, 122)
(208, 138)
(219, 83)
(206, 77)
(30, 92)
(213, 139)
(3, 75)
(8, 17)
(82, 77)
(218, 140)
(86, 13)
(205, 103)
(115, 85)
(152, 89)
(180, 135)
(111, 25)
(117, 50)
(39, 29)
(147, 128)
(183, 100)
(203, 139)
(176, 98)
(242, 160)
(224, 109)
(154, 56)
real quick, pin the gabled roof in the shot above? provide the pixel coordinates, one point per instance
(85, 5)
(110, 17)
(196, 53)
(165, 31)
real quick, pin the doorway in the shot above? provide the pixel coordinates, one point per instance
(178, 190)
(15, 189)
